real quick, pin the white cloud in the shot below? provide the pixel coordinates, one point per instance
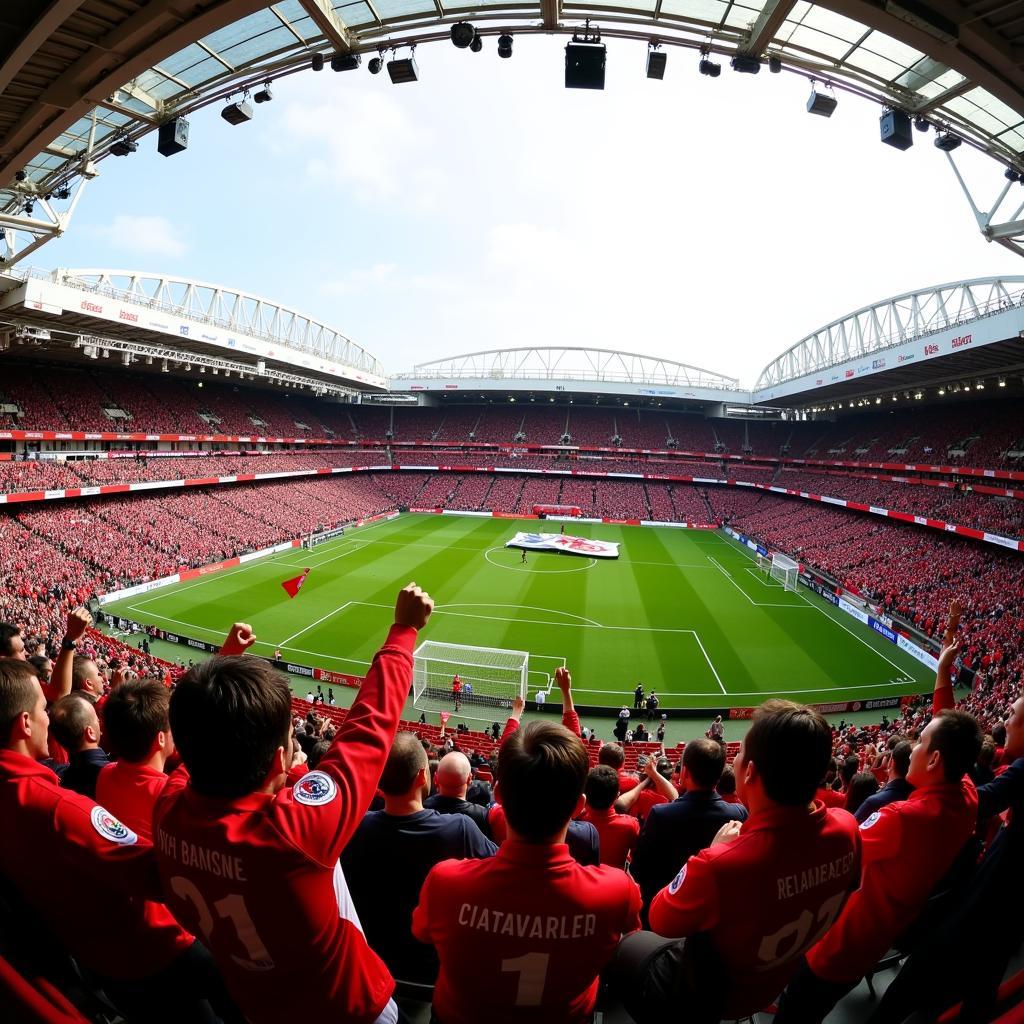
(142, 234)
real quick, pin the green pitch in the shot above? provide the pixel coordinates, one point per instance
(685, 612)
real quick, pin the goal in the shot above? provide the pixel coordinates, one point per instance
(492, 677)
(785, 570)
(764, 563)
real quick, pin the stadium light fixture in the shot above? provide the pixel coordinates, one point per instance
(123, 147)
(947, 141)
(163, 367)
(462, 35)
(980, 386)
(775, 65)
(346, 61)
(200, 384)
(1011, 175)
(1002, 382)
(942, 391)
(317, 63)
(921, 123)
(237, 113)
(20, 176)
(264, 95)
(918, 395)
(821, 103)
(504, 46)
(657, 59)
(477, 45)
(878, 401)
(745, 64)
(403, 69)
(707, 66)
(374, 65)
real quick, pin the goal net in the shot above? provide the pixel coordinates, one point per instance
(785, 570)
(490, 677)
(764, 562)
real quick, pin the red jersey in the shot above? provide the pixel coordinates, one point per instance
(618, 833)
(258, 876)
(830, 797)
(71, 859)
(627, 781)
(130, 791)
(765, 897)
(645, 801)
(523, 934)
(908, 846)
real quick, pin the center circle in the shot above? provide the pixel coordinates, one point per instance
(590, 563)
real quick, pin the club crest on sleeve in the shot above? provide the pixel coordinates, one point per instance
(315, 788)
(110, 828)
(673, 887)
(870, 820)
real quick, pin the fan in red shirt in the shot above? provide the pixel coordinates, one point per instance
(909, 846)
(526, 933)
(618, 832)
(250, 863)
(614, 756)
(761, 894)
(457, 691)
(69, 859)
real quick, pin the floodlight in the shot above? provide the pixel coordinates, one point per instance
(462, 34)
(237, 113)
(505, 45)
(1011, 174)
(163, 367)
(123, 147)
(745, 64)
(374, 65)
(317, 63)
(709, 68)
(478, 44)
(63, 192)
(921, 123)
(403, 70)
(947, 141)
(346, 61)
(775, 65)
(20, 175)
(264, 95)
(942, 391)
(821, 103)
(656, 61)
(1002, 382)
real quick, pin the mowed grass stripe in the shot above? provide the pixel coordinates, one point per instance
(662, 583)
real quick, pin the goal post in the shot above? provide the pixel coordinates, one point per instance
(764, 563)
(786, 571)
(491, 677)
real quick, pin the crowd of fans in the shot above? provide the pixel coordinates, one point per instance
(258, 858)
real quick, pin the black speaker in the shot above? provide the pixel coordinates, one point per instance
(895, 129)
(172, 137)
(584, 65)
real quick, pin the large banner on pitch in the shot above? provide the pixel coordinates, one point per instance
(564, 543)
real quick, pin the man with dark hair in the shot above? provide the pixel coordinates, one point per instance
(86, 678)
(138, 726)
(674, 832)
(71, 859)
(654, 788)
(909, 846)
(252, 863)
(12, 645)
(760, 894)
(76, 727)
(528, 928)
(400, 844)
(617, 832)
(897, 788)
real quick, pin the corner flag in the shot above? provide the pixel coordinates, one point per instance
(293, 586)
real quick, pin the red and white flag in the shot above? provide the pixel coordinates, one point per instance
(293, 586)
(444, 716)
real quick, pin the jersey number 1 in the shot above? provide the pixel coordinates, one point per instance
(532, 970)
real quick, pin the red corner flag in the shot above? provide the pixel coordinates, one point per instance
(293, 586)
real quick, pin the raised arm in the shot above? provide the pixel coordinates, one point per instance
(323, 810)
(659, 782)
(569, 717)
(624, 804)
(943, 697)
(239, 639)
(512, 723)
(60, 678)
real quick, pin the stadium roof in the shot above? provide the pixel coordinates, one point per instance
(77, 75)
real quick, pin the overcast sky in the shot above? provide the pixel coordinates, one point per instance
(711, 221)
